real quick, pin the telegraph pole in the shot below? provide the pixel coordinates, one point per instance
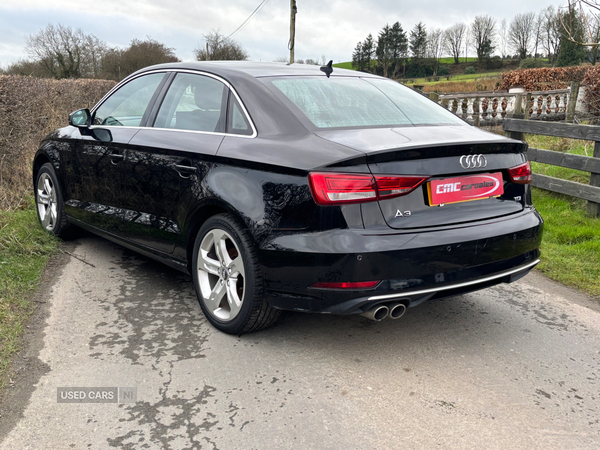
(293, 11)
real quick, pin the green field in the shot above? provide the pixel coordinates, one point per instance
(446, 78)
(344, 65)
(442, 78)
(449, 60)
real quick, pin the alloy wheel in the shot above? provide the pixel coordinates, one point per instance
(47, 202)
(221, 274)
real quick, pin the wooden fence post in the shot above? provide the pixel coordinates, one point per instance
(574, 92)
(593, 208)
(518, 113)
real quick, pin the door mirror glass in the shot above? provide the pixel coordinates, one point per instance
(80, 118)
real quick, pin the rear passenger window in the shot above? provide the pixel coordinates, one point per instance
(193, 102)
(236, 120)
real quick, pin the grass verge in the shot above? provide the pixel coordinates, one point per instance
(24, 251)
(571, 243)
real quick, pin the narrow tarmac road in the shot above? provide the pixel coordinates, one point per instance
(511, 367)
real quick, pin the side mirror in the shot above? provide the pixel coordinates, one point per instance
(80, 118)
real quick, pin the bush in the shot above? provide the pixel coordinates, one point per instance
(494, 63)
(29, 109)
(443, 71)
(470, 70)
(543, 79)
(531, 63)
(592, 93)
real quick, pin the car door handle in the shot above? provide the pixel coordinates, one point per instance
(116, 157)
(185, 169)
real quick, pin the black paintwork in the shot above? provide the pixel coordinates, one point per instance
(151, 189)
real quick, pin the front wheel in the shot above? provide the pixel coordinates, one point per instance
(227, 278)
(49, 202)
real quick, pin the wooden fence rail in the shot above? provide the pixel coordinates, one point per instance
(591, 192)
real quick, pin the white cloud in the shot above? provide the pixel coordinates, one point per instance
(323, 28)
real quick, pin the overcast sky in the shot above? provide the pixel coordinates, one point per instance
(324, 28)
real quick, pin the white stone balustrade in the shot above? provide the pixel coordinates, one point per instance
(489, 108)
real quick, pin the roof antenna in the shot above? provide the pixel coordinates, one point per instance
(327, 69)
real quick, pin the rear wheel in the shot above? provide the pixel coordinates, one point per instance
(49, 202)
(227, 278)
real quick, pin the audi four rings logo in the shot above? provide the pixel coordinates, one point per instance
(473, 161)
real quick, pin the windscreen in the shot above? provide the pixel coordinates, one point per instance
(339, 102)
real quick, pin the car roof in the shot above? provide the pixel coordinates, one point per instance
(256, 69)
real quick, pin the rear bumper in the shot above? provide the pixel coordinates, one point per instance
(411, 267)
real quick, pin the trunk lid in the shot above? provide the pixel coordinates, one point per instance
(437, 153)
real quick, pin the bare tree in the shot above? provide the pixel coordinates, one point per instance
(453, 40)
(483, 33)
(594, 24)
(520, 33)
(551, 31)
(117, 63)
(95, 50)
(503, 35)
(577, 15)
(538, 32)
(220, 48)
(27, 67)
(434, 48)
(65, 52)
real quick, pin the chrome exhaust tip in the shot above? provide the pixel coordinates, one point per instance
(377, 313)
(397, 310)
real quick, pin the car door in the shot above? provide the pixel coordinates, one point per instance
(169, 159)
(97, 179)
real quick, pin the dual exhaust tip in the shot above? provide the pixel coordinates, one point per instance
(383, 311)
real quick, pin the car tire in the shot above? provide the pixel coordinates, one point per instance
(49, 202)
(227, 278)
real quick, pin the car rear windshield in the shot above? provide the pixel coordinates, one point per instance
(339, 102)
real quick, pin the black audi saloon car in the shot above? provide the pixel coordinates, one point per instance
(283, 187)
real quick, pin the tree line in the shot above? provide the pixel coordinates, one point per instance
(553, 33)
(58, 51)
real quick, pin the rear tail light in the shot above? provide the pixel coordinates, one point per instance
(388, 186)
(345, 285)
(342, 188)
(520, 174)
(339, 188)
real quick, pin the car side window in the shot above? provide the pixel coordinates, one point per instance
(237, 123)
(193, 102)
(127, 105)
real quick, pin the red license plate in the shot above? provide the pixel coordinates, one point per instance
(464, 189)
